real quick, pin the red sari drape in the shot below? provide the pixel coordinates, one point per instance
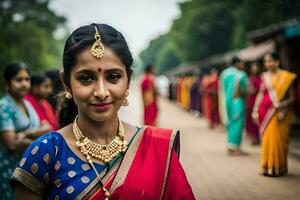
(155, 172)
(149, 99)
(209, 90)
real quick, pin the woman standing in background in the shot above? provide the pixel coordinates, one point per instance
(273, 113)
(255, 81)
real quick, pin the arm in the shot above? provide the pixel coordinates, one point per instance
(289, 101)
(37, 132)
(258, 100)
(23, 193)
(14, 142)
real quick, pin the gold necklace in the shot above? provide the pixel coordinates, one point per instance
(104, 153)
(86, 146)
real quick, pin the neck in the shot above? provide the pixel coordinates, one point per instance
(273, 71)
(102, 132)
(18, 99)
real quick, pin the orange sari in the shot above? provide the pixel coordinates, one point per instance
(274, 128)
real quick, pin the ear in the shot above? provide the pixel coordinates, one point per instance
(61, 76)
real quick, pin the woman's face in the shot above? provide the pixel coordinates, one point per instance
(19, 85)
(270, 63)
(254, 69)
(44, 90)
(98, 86)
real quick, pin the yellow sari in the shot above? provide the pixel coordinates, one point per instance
(275, 123)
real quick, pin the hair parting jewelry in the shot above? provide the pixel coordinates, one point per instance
(97, 48)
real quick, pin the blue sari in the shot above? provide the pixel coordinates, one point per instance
(12, 119)
(232, 105)
(51, 169)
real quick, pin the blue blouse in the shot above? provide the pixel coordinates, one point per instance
(51, 169)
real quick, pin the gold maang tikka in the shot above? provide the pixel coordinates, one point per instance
(97, 48)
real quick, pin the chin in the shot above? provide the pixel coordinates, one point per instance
(101, 116)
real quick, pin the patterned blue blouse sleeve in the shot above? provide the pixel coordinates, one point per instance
(34, 168)
(6, 120)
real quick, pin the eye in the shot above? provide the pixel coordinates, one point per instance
(85, 79)
(113, 77)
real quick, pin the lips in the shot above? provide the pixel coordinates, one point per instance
(101, 106)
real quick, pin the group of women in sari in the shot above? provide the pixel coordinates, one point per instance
(95, 155)
(198, 94)
(25, 115)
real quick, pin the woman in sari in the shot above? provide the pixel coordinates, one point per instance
(210, 102)
(18, 123)
(97, 156)
(232, 92)
(40, 89)
(195, 95)
(273, 113)
(255, 81)
(149, 94)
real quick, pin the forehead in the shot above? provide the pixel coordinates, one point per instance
(268, 57)
(109, 59)
(22, 73)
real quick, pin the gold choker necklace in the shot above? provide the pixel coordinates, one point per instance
(104, 153)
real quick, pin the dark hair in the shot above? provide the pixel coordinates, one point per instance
(148, 68)
(37, 80)
(79, 40)
(12, 69)
(235, 60)
(56, 81)
(274, 55)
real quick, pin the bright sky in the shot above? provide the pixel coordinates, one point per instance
(138, 20)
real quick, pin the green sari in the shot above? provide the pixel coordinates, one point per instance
(233, 84)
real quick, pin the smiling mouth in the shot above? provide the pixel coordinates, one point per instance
(101, 106)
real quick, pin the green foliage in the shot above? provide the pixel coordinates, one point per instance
(26, 34)
(206, 28)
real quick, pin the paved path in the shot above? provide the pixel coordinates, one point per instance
(213, 174)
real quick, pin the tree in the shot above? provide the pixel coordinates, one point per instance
(26, 34)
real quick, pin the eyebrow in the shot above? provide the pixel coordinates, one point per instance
(93, 71)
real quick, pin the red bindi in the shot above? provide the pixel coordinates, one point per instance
(99, 69)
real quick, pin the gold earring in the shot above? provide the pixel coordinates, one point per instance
(68, 95)
(126, 102)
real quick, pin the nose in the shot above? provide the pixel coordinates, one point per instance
(100, 90)
(25, 83)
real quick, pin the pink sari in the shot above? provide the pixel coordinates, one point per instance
(149, 170)
(149, 99)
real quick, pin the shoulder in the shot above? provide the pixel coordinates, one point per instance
(6, 106)
(162, 135)
(4, 101)
(288, 73)
(47, 143)
(158, 132)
